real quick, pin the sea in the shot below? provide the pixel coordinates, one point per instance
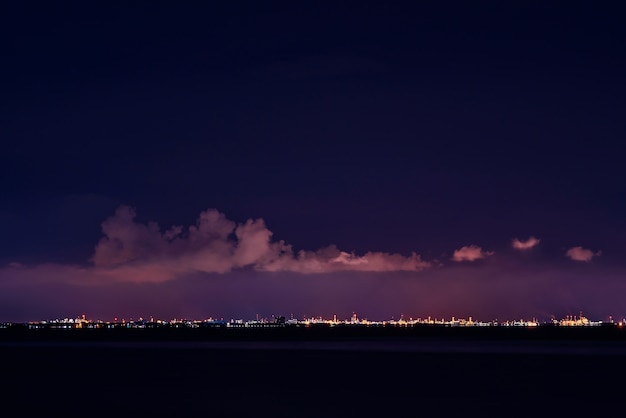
(420, 376)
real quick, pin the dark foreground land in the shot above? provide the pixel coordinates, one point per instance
(564, 373)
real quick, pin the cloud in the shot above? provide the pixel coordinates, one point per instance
(525, 245)
(470, 253)
(216, 244)
(581, 254)
(331, 259)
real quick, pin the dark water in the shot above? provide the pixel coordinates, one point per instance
(314, 379)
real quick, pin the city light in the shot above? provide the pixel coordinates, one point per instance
(275, 321)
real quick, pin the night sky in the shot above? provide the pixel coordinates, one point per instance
(234, 159)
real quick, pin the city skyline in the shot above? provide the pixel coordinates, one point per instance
(189, 161)
(84, 321)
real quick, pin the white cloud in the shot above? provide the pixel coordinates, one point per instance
(218, 245)
(525, 245)
(470, 253)
(581, 254)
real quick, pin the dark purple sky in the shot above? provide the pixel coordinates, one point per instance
(306, 158)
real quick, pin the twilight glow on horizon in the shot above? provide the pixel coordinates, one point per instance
(408, 159)
(239, 269)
